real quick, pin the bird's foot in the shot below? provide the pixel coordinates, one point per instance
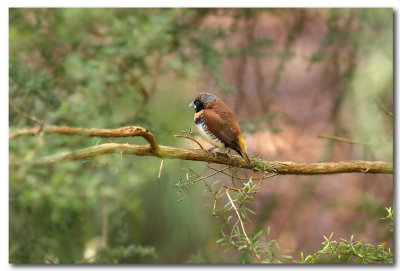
(211, 149)
(227, 153)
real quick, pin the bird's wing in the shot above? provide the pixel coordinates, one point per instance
(224, 126)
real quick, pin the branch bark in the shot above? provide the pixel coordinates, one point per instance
(128, 131)
(166, 152)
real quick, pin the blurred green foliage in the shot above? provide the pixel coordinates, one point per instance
(346, 251)
(87, 68)
(94, 68)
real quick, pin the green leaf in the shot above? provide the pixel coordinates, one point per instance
(257, 235)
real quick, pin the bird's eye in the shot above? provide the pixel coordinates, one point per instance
(193, 104)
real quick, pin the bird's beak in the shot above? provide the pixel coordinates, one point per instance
(192, 105)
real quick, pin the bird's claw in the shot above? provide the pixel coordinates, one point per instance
(227, 154)
(211, 149)
(215, 154)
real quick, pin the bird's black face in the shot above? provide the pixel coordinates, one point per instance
(197, 105)
(202, 101)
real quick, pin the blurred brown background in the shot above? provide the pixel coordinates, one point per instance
(318, 79)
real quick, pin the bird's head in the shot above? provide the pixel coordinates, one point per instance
(203, 100)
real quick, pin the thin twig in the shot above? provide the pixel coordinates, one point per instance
(186, 187)
(351, 141)
(241, 224)
(104, 230)
(161, 165)
(185, 196)
(387, 111)
(191, 138)
(231, 188)
(19, 111)
(205, 177)
(245, 179)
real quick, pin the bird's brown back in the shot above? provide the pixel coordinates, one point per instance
(222, 122)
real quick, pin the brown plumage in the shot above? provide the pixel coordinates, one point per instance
(217, 124)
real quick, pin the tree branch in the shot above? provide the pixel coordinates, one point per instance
(166, 152)
(201, 155)
(351, 141)
(128, 131)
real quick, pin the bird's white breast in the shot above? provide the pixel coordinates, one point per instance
(210, 138)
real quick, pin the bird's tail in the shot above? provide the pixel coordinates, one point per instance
(243, 149)
(245, 156)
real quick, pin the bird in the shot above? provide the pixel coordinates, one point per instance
(218, 125)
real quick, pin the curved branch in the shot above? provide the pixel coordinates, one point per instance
(128, 131)
(205, 156)
(166, 152)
